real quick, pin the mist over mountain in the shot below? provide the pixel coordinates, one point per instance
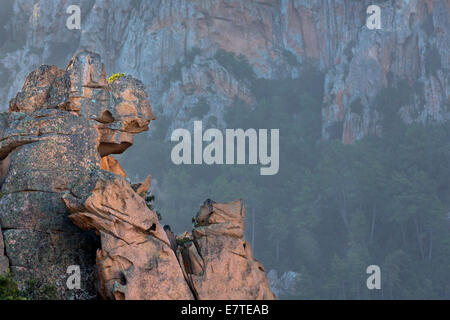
(173, 46)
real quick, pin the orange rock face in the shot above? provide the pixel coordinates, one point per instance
(218, 262)
(135, 261)
(56, 143)
(143, 187)
(110, 164)
(138, 261)
(37, 88)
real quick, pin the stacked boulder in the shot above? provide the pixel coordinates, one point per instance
(65, 201)
(58, 128)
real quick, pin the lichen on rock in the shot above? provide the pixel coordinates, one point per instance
(58, 128)
(58, 178)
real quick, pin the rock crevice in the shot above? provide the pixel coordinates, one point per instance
(56, 141)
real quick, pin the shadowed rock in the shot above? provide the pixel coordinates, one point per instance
(57, 173)
(4, 262)
(135, 261)
(218, 262)
(58, 128)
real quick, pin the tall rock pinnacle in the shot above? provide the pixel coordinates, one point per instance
(57, 174)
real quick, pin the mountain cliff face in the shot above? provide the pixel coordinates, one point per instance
(175, 46)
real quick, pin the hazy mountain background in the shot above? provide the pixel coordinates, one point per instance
(364, 139)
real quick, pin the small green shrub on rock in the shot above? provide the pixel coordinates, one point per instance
(9, 289)
(34, 290)
(115, 77)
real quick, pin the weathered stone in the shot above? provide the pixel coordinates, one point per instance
(39, 86)
(35, 210)
(2, 244)
(138, 258)
(143, 187)
(4, 262)
(58, 128)
(132, 108)
(4, 265)
(171, 237)
(218, 262)
(56, 168)
(111, 164)
(47, 255)
(135, 261)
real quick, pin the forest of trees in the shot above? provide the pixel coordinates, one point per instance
(333, 209)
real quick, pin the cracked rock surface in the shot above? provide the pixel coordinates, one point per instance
(66, 201)
(217, 261)
(58, 127)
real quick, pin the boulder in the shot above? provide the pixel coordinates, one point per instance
(109, 163)
(218, 261)
(4, 262)
(135, 260)
(66, 201)
(58, 128)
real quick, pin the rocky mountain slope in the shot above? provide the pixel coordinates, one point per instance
(55, 145)
(173, 47)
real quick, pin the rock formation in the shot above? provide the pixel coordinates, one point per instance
(217, 261)
(277, 37)
(135, 260)
(108, 163)
(57, 173)
(58, 127)
(4, 261)
(283, 284)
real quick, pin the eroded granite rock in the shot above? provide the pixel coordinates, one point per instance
(57, 174)
(135, 260)
(58, 128)
(218, 262)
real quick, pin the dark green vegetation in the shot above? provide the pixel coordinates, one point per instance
(9, 289)
(34, 290)
(149, 199)
(237, 65)
(200, 109)
(333, 209)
